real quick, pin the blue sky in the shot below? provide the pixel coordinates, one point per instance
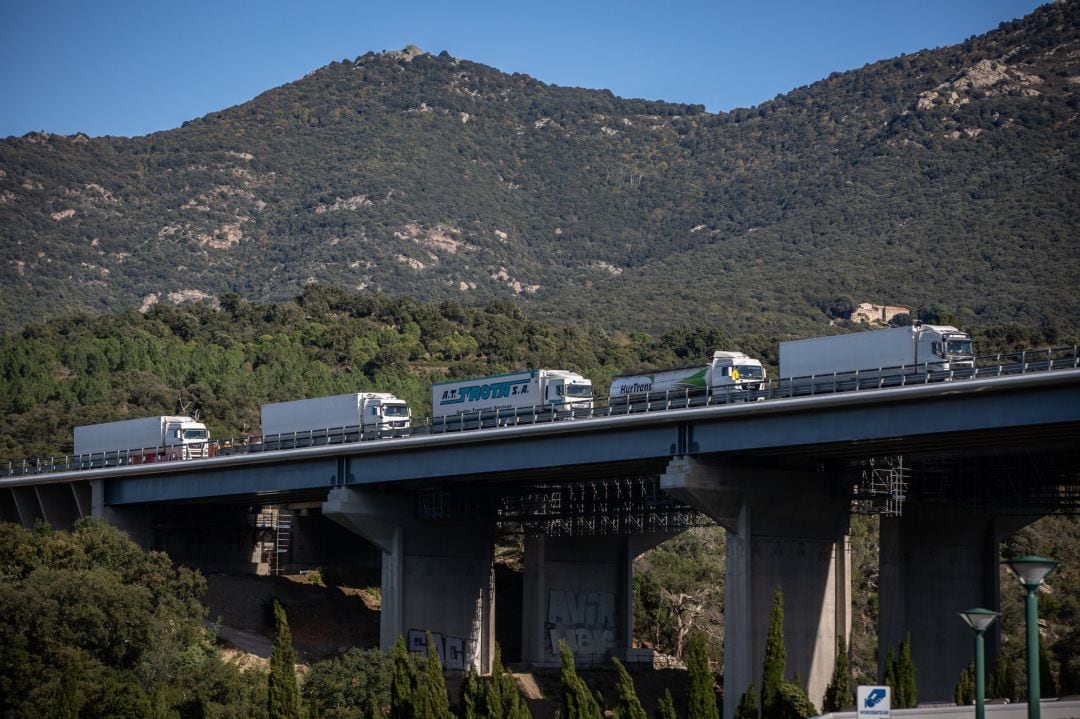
(125, 67)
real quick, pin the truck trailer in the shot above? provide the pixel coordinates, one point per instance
(148, 439)
(371, 414)
(729, 373)
(559, 392)
(932, 351)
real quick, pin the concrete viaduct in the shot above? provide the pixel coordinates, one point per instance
(953, 468)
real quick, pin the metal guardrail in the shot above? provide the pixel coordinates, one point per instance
(997, 365)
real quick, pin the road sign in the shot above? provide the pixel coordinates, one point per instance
(873, 702)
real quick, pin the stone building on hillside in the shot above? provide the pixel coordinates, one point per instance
(877, 314)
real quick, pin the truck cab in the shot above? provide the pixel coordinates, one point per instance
(387, 415)
(568, 391)
(943, 348)
(186, 439)
(736, 370)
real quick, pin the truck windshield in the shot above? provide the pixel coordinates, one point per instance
(748, 371)
(578, 390)
(196, 434)
(958, 347)
(395, 410)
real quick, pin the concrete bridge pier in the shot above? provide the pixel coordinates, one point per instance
(579, 590)
(437, 576)
(137, 522)
(786, 530)
(934, 564)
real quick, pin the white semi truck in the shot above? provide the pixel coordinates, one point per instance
(148, 439)
(728, 373)
(546, 390)
(926, 350)
(375, 414)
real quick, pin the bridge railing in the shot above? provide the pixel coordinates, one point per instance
(983, 366)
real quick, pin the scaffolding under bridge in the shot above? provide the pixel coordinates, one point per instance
(609, 506)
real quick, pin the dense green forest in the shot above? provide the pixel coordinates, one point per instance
(945, 176)
(224, 362)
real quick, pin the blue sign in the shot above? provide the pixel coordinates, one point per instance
(873, 702)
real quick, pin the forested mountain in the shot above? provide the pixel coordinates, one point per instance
(948, 176)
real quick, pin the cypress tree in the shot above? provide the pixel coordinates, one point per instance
(964, 693)
(747, 707)
(905, 676)
(576, 702)
(838, 694)
(472, 695)
(792, 702)
(665, 707)
(434, 702)
(628, 706)
(772, 676)
(1001, 684)
(890, 673)
(283, 698)
(701, 700)
(402, 683)
(500, 696)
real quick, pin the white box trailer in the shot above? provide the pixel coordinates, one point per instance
(897, 351)
(146, 439)
(375, 413)
(549, 389)
(728, 371)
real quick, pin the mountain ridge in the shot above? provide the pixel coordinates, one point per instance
(940, 177)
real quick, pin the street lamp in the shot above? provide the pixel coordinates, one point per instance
(1031, 571)
(979, 619)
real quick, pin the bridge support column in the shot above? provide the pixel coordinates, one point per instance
(437, 576)
(136, 522)
(934, 564)
(785, 530)
(580, 590)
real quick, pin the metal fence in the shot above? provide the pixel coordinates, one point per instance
(997, 365)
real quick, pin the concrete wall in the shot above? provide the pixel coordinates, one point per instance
(437, 576)
(786, 531)
(933, 565)
(579, 590)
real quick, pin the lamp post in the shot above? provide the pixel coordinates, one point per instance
(1031, 571)
(979, 619)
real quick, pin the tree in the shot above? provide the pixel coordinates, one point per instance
(1002, 682)
(964, 693)
(284, 696)
(430, 698)
(628, 706)
(772, 676)
(402, 684)
(838, 694)
(356, 683)
(907, 692)
(890, 672)
(793, 703)
(747, 708)
(575, 702)
(472, 695)
(665, 707)
(840, 307)
(701, 700)
(501, 699)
